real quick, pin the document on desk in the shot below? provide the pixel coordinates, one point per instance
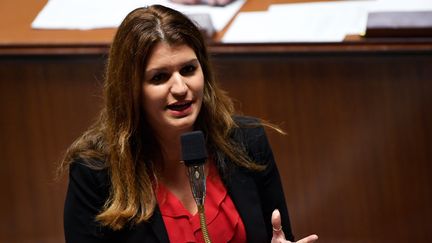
(95, 14)
(312, 22)
(306, 22)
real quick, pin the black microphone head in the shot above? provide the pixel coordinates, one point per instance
(194, 151)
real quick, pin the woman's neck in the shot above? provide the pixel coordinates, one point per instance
(169, 159)
(169, 143)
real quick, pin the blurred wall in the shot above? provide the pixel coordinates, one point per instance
(356, 160)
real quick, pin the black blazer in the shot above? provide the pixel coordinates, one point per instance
(255, 195)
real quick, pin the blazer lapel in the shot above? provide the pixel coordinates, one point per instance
(244, 193)
(158, 226)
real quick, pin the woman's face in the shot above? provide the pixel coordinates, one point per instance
(172, 88)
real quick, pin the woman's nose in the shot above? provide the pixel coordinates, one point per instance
(179, 86)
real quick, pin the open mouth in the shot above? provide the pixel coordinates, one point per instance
(179, 106)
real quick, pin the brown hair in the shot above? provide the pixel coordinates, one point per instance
(122, 139)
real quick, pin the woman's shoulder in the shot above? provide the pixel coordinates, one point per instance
(94, 163)
(241, 120)
(251, 135)
(247, 128)
(90, 172)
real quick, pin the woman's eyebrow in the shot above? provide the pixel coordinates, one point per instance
(163, 68)
(193, 61)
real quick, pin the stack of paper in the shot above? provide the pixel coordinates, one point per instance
(312, 22)
(84, 14)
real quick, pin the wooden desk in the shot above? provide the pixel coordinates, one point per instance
(356, 161)
(18, 38)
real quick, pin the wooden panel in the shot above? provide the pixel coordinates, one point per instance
(355, 163)
(356, 160)
(45, 103)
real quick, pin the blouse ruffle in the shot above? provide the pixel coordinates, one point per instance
(223, 221)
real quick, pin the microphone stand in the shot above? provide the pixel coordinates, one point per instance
(197, 181)
(194, 155)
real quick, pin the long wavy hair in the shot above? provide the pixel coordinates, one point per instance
(121, 141)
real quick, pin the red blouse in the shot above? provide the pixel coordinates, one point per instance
(223, 221)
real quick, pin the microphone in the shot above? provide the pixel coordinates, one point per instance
(194, 155)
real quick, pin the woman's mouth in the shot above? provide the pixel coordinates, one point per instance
(179, 106)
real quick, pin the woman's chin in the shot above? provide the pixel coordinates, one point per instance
(184, 124)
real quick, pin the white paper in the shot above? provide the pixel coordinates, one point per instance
(305, 23)
(83, 14)
(220, 16)
(94, 14)
(349, 17)
(312, 22)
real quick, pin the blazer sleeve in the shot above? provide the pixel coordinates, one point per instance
(268, 181)
(86, 194)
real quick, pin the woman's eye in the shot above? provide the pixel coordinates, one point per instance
(159, 78)
(188, 70)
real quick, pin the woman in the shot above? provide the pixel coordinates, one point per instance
(127, 183)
